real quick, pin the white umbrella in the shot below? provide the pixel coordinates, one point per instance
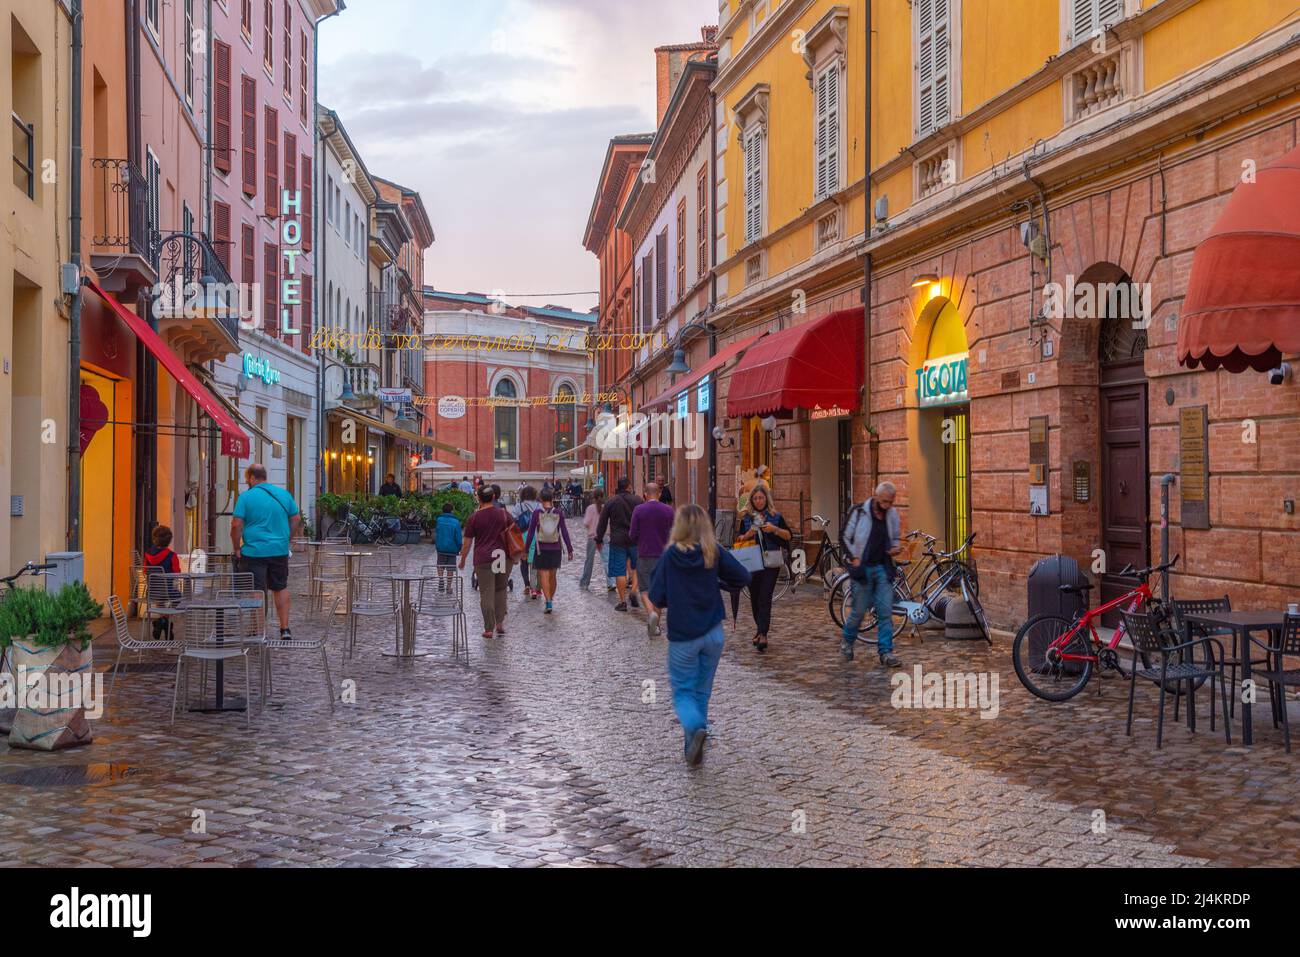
(433, 466)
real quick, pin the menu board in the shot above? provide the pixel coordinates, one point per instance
(1194, 463)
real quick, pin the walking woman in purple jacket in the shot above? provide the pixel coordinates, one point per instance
(546, 532)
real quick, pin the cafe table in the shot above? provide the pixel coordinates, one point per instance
(406, 648)
(1243, 624)
(222, 605)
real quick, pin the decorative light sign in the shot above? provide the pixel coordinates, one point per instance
(290, 239)
(943, 381)
(834, 412)
(255, 367)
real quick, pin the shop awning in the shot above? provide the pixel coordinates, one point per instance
(734, 351)
(415, 438)
(234, 441)
(814, 365)
(235, 412)
(1242, 309)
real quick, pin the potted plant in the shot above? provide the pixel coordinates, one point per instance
(49, 637)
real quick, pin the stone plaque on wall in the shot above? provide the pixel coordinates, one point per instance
(1194, 465)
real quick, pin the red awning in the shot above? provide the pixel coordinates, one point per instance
(810, 366)
(1242, 309)
(732, 351)
(234, 441)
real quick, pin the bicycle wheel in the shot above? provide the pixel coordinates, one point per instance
(841, 604)
(971, 597)
(783, 581)
(942, 568)
(1038, 664)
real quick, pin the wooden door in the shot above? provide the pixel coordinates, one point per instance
(1125, 506)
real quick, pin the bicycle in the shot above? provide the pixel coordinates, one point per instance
(379, 530)
(828, 563)
(1054, 657)
(942, 583)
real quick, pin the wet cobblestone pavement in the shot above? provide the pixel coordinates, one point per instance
(557, 746)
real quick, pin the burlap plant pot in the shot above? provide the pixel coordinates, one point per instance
(59, 724)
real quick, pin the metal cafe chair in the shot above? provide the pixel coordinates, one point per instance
(331, 569)
(165, 598)
(300, 562)
(441, 595)
(1148, 639)
(1279, 676)
(209, 635)
(373, 596)
(1183, 607)
(302, 645)
(126, 642)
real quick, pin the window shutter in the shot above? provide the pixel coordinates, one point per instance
(222, 102)
(647, 292)
(306, 322)
(271, 164)
(933, 65)
(942, 69)
(661, 275)
(291, 164)
(832, 128)
(302, 77)
(221, 232)
(248, 255)
(248, 133)
(270, 288)
(308, 218)
(1109, 12)
(754, 186)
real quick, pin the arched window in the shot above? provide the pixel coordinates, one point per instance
(566, 421)
(507, 421)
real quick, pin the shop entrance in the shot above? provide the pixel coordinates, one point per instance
(832, 472)
(956, 474)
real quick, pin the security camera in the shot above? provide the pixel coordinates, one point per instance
(1280, 375)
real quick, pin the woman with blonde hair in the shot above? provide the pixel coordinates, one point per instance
(686, 583)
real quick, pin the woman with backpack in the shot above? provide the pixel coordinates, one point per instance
(523, 516)
(686, 582)
(546, 532)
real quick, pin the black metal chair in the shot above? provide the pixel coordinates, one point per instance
(1278, 676)
(1208, 606)
(1149, 640)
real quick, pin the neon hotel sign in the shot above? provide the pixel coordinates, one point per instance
(291, 242)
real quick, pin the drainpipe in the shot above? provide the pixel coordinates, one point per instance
(713, 302)
(866, 259)
(210, 485)
(74, 315)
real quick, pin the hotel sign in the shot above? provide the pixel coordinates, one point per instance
(291, 243)
(943, 382)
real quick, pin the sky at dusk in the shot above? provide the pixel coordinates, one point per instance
(499, 113)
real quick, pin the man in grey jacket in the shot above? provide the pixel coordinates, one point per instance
(871, 540)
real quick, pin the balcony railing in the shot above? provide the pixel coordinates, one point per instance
(24, 156)
(364, 380)
(121, 208)
(190, 258)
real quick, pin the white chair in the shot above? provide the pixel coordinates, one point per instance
(442, 596)
(165, 598)
(211, 635)
(125, 641)
(373, 596)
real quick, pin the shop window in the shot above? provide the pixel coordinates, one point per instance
(566, 421)
(506, 416)
(755, 444)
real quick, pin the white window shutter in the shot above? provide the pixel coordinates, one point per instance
(753, 185)
(821, 137)
(925, 65)
(1109, 12)
(832, 78)
(942, 63)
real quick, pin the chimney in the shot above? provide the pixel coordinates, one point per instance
(709, 34)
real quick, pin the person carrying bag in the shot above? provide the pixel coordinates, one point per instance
(764, 526)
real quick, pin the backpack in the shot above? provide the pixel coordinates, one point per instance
(523, 517)
(548, 527)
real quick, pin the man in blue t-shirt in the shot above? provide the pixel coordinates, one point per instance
(266, 516)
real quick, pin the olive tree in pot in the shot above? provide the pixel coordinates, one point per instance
(48, 637)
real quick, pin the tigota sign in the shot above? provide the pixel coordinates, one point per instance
(943, 381)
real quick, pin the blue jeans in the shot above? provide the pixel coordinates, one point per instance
(589, 565)
(875, 591)
(691, 667)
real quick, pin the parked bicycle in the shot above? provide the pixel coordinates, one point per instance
(379, 530)
(824, 558)
(1054, 656)
(943, 576)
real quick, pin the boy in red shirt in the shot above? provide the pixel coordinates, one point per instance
(165, 560)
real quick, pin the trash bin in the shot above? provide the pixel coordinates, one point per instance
(1046, 598)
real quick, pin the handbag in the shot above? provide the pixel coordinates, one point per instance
(750, 557)
(513, 539)
(773, 558)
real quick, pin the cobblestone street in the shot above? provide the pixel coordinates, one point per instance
(557, 745)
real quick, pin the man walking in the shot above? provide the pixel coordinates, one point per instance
(617, 518)
(871, 540)
(652, 523)
(266, 517)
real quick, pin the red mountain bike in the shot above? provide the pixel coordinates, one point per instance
(1055, 657)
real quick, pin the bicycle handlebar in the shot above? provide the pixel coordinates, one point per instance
(1129, 571)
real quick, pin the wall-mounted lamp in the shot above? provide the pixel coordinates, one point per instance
(770, 427)
(925, 279)
(720, 436)
(679, 366)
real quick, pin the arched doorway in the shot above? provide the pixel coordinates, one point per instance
(938, 425)
(1106, 296)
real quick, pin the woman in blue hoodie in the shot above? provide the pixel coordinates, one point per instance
(686, 582)
(447, 536)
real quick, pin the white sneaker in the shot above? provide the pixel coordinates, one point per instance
(652, 624)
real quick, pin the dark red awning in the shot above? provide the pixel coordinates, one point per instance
(1242, 309)
(234, 441)
(663, 399)
(816, 365)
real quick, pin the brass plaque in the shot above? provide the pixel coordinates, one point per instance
(1194, 464)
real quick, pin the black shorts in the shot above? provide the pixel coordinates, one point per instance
(546, 561)
(269, 574)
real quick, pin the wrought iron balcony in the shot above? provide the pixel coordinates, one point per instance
(205, 328)
(122, 241)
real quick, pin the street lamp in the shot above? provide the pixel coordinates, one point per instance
(678, 366)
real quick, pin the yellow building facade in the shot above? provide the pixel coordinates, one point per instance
(35, 35)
